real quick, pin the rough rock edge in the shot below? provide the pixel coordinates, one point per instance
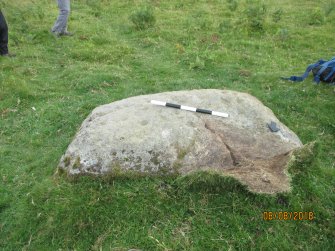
(292, 161)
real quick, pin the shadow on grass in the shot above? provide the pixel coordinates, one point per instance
(209, 182)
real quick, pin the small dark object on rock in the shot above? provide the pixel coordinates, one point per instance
(273, 127)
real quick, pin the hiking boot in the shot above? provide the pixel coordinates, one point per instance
(10, 55)
(55, 34)
(58, 34)
(66, 33)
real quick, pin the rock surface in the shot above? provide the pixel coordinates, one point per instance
(134, 136)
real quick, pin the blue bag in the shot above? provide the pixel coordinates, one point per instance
(322, 70)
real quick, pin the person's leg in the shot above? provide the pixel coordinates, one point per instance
(3, 35)
(60, 26)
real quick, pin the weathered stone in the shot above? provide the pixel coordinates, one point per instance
(134, 136)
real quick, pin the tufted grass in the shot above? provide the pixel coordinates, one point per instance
(53, 84)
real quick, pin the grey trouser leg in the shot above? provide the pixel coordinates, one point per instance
(60, 25)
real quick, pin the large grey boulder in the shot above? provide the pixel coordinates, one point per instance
(134, 136)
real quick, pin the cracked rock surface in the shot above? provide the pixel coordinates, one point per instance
(134, 136)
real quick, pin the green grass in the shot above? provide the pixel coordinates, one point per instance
(53, 84)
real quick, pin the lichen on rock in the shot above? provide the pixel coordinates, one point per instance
(134, 136)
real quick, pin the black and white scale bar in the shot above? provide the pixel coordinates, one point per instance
(188, 108)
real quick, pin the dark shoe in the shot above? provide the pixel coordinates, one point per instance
(10, 55)
(55, 34)
(66, 33)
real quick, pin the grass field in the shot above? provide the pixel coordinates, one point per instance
(128, 48)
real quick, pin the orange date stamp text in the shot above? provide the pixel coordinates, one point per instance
(284, 215)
